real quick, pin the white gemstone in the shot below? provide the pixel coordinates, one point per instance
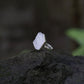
(39, 41)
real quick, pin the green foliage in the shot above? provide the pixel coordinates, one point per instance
(78, 36)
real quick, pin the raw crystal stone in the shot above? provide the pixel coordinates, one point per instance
(39, 41)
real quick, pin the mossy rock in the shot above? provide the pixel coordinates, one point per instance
(42, 67)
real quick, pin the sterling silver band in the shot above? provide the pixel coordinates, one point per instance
(48, 46)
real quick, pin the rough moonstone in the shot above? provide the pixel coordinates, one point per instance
(39, 41)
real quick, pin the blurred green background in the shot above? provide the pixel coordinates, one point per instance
(20, 20)
(78, 36)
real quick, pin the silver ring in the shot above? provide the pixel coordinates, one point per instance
(48, 46)
(40, 42)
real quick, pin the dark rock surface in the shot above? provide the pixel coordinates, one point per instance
(42, 67)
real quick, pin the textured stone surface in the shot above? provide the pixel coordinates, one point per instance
(42, 67)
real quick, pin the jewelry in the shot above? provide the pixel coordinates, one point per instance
(40, 41)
